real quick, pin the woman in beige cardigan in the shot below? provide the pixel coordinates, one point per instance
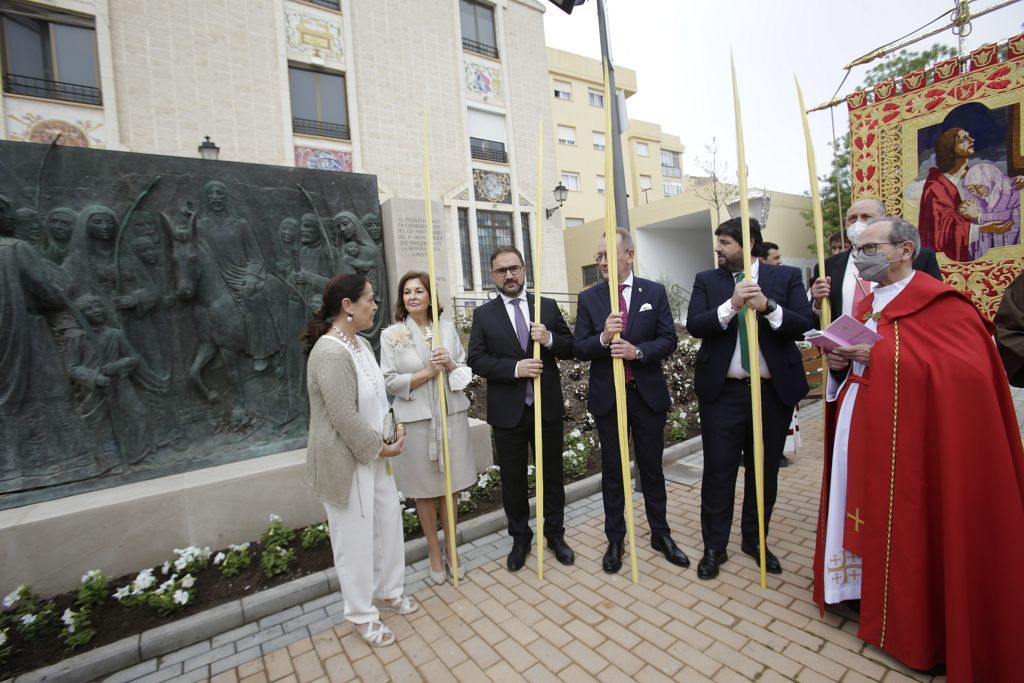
(346, 457)
(412, 356)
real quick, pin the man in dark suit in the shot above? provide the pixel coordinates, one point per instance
(849, 289)
(501, 350)
(722, 384)
(647, 335)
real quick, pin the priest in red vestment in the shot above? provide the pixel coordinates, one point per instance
(926, 456)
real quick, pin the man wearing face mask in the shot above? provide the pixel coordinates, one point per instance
(923, 495)
(849, 290)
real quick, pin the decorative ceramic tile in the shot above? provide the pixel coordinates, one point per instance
(313, 38)
(323, 159)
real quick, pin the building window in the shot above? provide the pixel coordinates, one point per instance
(493, 229)
(672, 188)
(599, 142)
(670, 164)
(527, 249)
(319, 104)
(487, 136)
(488, 150)
(467, 253)
(645, 182)
(478, 28)
(642, 149)
(566, 135)
(596, 98)
(329, 4)
(600, 184)
(52, 59)
(591, 274)
(573, 222)
(563, 90)
(571, 181)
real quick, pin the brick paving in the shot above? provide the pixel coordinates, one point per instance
(579, 624)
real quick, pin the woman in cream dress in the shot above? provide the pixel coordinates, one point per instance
(412, 360)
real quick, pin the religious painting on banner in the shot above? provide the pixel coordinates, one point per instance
(944, 150)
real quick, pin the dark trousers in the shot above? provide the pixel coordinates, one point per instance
(727, 433)
(647, 427)
(512, 446)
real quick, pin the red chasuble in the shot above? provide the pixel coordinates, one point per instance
(942, 228)
(935, 491)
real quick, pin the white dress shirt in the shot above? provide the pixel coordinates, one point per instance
(521, 301)
(725, 315)
(627, 294)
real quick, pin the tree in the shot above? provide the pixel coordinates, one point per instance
(713, 189)
(892, 66)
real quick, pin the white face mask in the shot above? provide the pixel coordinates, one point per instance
(853, 232)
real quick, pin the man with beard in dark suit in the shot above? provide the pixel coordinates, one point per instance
(722, 384)
(501, 351)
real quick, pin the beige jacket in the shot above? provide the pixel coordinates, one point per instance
(404, 352)
(339, 439)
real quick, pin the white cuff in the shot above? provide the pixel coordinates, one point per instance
(459, 378)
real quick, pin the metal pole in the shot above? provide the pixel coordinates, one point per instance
(619, 176)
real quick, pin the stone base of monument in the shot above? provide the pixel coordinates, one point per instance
(120, 530)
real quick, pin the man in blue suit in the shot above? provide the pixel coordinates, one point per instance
(647, 335)
(722, 383)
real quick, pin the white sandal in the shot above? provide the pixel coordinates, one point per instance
(402, 604)
(376, 634)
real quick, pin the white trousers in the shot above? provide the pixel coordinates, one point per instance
(367, 541)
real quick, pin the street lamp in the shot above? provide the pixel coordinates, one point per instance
(561, 193)
(208, 150)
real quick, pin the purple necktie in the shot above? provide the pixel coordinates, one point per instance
(627, 366)
(523, 332)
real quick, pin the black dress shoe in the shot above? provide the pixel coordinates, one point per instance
(708, 566)
(517, 558)
(771, 563)
(670, 550)
(563, 553)
(783, 461)
(612, 561)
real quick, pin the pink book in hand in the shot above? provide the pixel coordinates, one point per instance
(844, 331)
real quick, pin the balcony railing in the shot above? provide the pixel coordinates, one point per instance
(488, 150)
(40, 87)
(479, 48)
(671, 171)
(322, 128)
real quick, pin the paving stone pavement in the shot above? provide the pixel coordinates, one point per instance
(579, 624)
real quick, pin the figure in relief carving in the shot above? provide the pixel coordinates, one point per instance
(371, 222)
(102, 364)
(41, 439)
(29, 227)
(60, 227)
(287, 234)
(315, 266)
(230, 241)
(352, 231)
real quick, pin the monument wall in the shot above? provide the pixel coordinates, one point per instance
(150, 308)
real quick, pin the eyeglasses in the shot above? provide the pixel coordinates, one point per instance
(603, 256)
(511, 270)
(871, 247)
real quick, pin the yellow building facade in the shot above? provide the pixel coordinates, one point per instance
(652, 158)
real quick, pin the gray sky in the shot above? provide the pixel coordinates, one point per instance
(680, 51)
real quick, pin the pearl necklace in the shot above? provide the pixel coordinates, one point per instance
(350, 343)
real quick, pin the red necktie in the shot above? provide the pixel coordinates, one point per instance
(627, 365)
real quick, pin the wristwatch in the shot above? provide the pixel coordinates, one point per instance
(769, 307)
(639, 355)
